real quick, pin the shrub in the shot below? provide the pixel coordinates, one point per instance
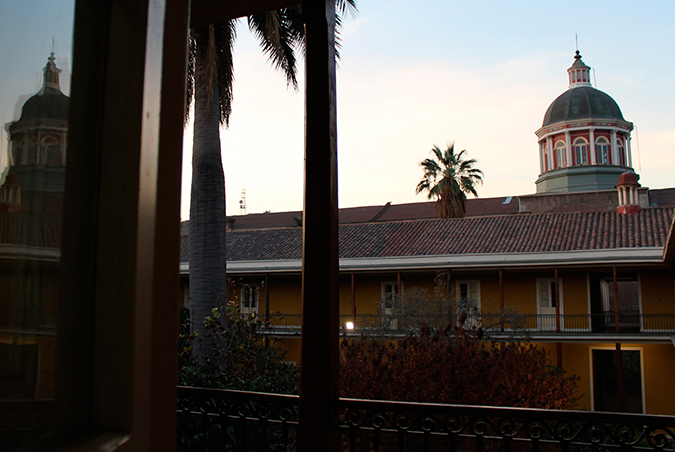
(241, 357)
(457, 367)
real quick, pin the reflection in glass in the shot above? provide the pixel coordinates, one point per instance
(32, 180)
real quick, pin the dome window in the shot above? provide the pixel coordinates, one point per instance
(580, 151)
(602, 151)
(51, 152)
(560, 154)
(620, 151)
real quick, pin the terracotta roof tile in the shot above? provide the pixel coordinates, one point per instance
(552, 232)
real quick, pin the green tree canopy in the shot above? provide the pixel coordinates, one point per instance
(448, 178)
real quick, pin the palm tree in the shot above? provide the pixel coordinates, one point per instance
(448, 178)
(210, 79)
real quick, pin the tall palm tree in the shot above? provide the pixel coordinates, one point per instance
(210, 80)
(449, 178)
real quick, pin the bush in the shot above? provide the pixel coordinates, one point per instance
(241, 357)
(454, 367)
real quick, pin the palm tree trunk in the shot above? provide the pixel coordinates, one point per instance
(208, 279)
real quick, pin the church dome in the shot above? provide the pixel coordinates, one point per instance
(584, 141)
(582, 102)
(50, 103)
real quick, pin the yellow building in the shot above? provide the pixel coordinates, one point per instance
(502, 272)
(580, 267)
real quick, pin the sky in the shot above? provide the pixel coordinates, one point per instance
(481, 74)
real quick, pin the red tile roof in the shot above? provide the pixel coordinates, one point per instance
(551, 232)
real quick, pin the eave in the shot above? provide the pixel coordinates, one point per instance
(620, 256)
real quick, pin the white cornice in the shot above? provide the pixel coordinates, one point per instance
(464, 261)
(584, 124)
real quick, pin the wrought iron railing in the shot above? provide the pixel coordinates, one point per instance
(221, 420)
(290, 324)
(369, 425)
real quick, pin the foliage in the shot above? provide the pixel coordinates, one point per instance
(210, 78)
(448, 178)
(445, 367)
(241, 356)
(405, 312)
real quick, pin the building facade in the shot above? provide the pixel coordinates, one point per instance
(579, 268)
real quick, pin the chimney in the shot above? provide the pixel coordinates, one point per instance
(627, 189)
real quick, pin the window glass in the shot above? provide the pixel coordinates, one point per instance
(602, 151)
(34, 99)
(606, 381)
(468, 295)
(560, 155)
(620, 151)
(580, 152)
(250, 298)
(389, 295)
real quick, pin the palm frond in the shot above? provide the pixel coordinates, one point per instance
(448, 177)
(278, 39)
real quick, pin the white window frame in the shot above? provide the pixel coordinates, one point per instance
(621, 153)
(468, 282)
(580, 151)
(547, 323)
(253, 305)
(560, 152)
(389, 295)
(602, 150)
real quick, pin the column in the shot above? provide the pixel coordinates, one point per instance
(542, 157)
(612, 144)
(629, 151)
(591, 138)
(320, 284)
(568, 147)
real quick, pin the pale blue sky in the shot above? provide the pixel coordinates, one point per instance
(481, 73)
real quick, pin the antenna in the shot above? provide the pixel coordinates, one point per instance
(242, 202)
(595, 82)
(576, 39)
(52, 44)
(637, 141)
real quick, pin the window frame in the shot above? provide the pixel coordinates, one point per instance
(560, 154)
(580, 147)
(600, 153)
(387, 295)
(613, 349)
(468, 282)
(248, 290)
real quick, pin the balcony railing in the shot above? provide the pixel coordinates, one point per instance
(382, 324)
(219, 420)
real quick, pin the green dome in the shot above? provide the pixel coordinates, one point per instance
(582, 102)
(49, 103)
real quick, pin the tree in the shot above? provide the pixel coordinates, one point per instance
(240, 357)
(457, 367)
(448, 178)
(210, 80)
